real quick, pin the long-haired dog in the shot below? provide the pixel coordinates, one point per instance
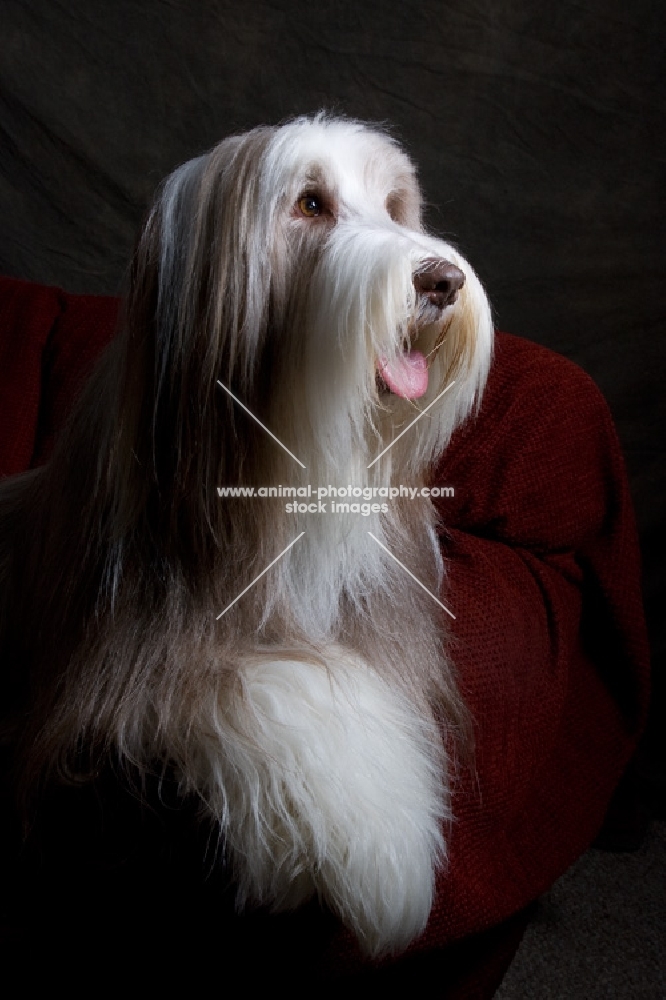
(287, 319)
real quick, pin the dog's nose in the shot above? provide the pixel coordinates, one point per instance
(440, 282)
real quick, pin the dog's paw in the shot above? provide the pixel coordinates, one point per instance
(333, 783)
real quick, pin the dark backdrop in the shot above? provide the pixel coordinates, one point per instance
(538, 128)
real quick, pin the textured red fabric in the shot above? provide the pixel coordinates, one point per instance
(543, 576)
(49, 342)
(27, 316)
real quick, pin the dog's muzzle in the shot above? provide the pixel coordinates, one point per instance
(437, 283)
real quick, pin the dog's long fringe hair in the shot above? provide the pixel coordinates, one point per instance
(117, 557)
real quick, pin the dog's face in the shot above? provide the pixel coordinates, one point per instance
(385, 314)
(291, 264)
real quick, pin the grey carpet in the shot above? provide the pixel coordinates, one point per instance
(600, 932)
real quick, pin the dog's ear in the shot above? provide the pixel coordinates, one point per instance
(196, 312)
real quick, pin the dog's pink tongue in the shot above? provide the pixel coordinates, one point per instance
(406, 375)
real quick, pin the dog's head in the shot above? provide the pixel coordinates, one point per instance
(290, 263)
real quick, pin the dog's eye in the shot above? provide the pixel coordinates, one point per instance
(310, 205)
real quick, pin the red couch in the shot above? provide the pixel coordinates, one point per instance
(543, 575)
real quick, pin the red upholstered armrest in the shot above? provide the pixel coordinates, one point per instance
(543, 577)
(49, 342)
(550, 638)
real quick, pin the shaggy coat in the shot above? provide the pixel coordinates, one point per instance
(282, 282)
